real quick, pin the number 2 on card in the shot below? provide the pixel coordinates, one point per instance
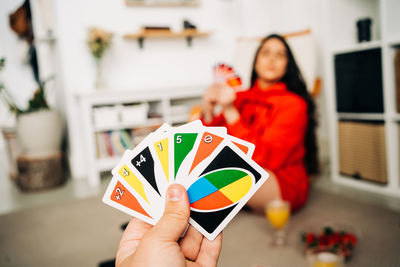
(119, 193)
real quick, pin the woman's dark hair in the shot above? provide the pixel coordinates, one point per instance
(295, 83)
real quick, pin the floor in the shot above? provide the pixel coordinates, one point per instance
(74, 206)
(84, 232)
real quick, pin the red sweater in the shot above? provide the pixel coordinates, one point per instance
(275, 120)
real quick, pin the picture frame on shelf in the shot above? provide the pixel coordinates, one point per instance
(163, 3)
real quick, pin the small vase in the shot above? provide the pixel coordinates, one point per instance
(99, 82)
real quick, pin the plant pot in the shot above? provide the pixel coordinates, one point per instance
(40, 133)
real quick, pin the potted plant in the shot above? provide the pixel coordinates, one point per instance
(39, 128)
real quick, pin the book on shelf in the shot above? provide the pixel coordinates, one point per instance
(126, 139)
(113, 143)
(101, 145)
(116, 144)
(110, 149)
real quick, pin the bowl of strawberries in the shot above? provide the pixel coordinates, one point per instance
(330, 241)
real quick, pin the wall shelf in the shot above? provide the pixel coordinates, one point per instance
(360, 116)
(357, 47)
(396, 118)
(149, 123)
(188, 34)
(106, 164)
(152, 3)
(394, 42)
(366, 185)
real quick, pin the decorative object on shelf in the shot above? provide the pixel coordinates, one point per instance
(113, 117)
(99, 41)
(364, 30)
(155, 28)
(186, 33)
(162, 3)
(188, 25)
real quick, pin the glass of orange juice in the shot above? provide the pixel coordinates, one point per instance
(278, 213)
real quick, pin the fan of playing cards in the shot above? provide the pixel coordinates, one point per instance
(223, 73)
(215, 168)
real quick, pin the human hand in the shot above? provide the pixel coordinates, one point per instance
(210, 97)
(226, 96)
(145, 245)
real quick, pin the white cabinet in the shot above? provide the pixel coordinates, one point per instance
(113, 121)
(341, 31)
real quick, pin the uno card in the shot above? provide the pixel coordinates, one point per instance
(210, 140)
(181, 143)
(247, 147)
(224, 73)
(159, 150)
(215, 168)
(204, 146)
(120, 198)
(142, 162)
(147, 164)
(220, 187)
(142, 192)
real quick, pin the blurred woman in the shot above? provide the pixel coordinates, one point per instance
(277, 114)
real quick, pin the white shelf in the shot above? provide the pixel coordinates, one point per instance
(148, 123)
(386, 35)
(356, 47)
(361, 116)
(394, 42)
(396, 117)
(163, 98)
(366, 185)
(106, 164)
(179, 118)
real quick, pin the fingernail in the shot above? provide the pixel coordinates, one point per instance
(174, 194)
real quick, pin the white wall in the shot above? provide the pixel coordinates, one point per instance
(162, 63)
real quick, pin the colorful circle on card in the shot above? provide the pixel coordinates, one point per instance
(219, 189)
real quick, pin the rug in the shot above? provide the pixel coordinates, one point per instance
(87, 232)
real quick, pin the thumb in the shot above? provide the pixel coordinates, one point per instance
(176, 214)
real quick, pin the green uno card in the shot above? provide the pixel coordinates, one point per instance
(183, 144)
